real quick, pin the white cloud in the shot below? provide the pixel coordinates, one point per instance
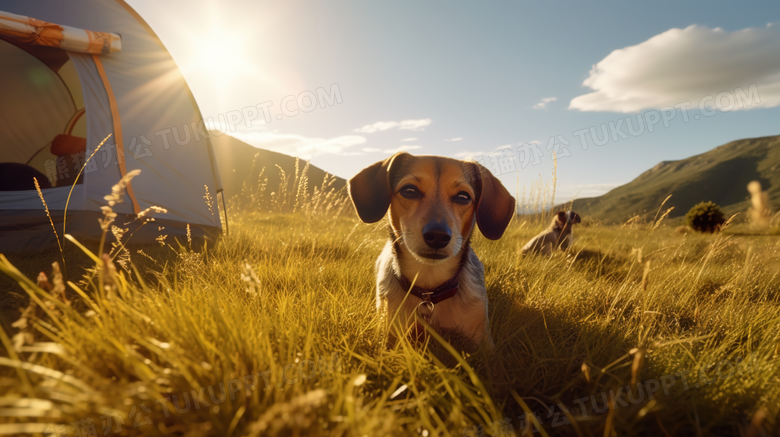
(505, 146)
(544, 102)
(371, 150)
(454, 139)
(468, 154)
(298, 145)
(380, 126)
(409, 139)
(415, 124)
(685, 65)
(402, 148)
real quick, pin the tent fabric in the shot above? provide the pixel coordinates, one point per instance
(117, 125)
(34, 107)
(73, 121)
(33, 31)
(55, 199)
(101, 173)
(142, 100)
(29, 230)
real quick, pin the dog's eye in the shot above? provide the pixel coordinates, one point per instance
(462, 198)
(410, 192)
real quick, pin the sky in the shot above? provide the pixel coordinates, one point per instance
(612, 89)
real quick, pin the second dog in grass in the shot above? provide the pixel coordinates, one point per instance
(557, 236)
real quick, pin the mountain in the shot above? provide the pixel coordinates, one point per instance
(720, 175)
(235, 157)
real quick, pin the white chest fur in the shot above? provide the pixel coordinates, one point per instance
(465, 313)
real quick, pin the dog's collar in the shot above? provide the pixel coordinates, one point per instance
(441, 293)
(436, 295)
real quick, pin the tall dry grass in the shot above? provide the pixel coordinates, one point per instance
(628, 304)
(292, 195)
(761, 212)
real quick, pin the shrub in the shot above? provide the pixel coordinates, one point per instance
(705, 217)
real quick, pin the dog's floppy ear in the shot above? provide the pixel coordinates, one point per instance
(370, 189)
(562, 216)
(495, 206)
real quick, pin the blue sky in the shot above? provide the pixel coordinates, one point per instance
(465, 79)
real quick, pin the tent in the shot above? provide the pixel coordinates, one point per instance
(72, 73)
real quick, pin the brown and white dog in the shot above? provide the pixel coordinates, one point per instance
(433, 204)
(558, 235)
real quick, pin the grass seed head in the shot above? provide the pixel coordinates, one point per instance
(209, 200)
(586, 372)
(116, 196)
(46, 207)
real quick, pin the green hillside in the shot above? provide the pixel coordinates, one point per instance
(235, 159)
(720, 175)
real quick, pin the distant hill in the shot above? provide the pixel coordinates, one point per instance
(235, 158)
(720, 175)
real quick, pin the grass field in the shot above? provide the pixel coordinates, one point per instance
(273, 331)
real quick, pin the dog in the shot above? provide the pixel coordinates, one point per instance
(557, 235)
(432, 204)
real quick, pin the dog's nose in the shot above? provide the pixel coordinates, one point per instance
(437, 235)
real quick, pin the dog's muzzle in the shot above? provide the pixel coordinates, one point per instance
(437, 235)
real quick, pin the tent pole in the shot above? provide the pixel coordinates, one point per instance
(221, 194)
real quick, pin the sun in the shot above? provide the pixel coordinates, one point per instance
(229, 63)
(225, 55)
(217, 58)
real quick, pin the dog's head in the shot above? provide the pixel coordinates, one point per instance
(433, 202)
(568, 218)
